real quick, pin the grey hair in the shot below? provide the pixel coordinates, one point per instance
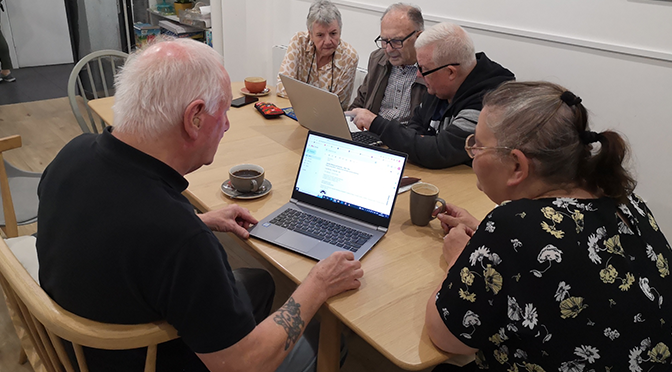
(452, 44)
(324, 12)
(413, 12)
(533, 118)
(154, 87)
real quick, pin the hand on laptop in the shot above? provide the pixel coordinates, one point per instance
(362, 118)
(335, 274)
(231, 218)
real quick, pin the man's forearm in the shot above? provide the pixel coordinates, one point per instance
(268, 344)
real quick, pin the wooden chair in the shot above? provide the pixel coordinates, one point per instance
(93, 77)
(48, 324)
(19, 191)
(39, 322)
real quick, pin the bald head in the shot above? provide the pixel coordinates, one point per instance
(401, 22)
(409, 12)
(157, 83)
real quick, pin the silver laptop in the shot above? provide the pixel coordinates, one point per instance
(343, 198)
(320, 111)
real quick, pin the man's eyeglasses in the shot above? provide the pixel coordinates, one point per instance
(425, 73)
(394, 43)
(470, 146)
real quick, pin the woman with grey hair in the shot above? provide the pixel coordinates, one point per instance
(319, 57)
(570, 271)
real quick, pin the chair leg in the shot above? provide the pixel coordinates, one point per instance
(23, 358)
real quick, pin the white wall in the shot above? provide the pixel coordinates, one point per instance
(615, 54)
(36, 32)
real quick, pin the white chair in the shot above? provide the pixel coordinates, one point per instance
(93, 78)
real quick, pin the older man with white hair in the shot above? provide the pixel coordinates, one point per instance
(456, 80)
(119, 243)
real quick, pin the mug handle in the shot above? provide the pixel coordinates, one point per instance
(441, 208)
(255, 186)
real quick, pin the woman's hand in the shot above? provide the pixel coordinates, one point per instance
(454, 215)
(454, 243)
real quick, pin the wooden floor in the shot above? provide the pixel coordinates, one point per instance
(45, 127)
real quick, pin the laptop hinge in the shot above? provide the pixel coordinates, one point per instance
(346, 218)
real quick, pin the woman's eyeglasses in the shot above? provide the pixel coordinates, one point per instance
(470, 146)
(394, 43)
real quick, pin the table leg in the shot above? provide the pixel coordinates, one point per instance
(329, 349)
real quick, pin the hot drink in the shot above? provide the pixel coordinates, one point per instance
(247, 177)
(424, 200)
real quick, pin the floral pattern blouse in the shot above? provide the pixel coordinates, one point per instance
(564, 285)
(299, 58)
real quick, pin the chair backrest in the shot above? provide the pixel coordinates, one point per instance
(48, 324)
(93, 77)
(11, 227)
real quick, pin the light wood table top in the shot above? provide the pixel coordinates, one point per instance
(400, 272)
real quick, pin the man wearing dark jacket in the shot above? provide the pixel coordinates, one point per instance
(456, 80)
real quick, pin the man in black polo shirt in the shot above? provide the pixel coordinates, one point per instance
(118, 242)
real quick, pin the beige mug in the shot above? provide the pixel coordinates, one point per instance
(255, 84)
(246, 177)
(424, 197)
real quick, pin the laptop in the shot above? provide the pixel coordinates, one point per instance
(343, 199)
(320, 111)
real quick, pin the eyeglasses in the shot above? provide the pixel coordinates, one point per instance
(470, 146)
(425, 73)
(394, 43)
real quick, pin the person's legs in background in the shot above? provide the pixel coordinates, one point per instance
(5, 61)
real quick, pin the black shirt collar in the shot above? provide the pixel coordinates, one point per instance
(133, 159)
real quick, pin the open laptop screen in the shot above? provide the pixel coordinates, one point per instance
(348, 178)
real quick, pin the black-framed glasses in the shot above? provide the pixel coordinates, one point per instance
(425, 73)
(394, 43)
(470, 146)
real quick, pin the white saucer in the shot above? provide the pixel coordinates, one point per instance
(232, 193)
(260, 94)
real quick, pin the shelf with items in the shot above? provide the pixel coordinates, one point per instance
(185, 19)
(181, 26)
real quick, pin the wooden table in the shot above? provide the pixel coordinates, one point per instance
(400, 272)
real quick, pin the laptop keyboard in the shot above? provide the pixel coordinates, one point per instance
(366, 137)
(321, 229)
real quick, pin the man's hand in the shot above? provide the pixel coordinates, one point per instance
(362, 118)
(454, 243)
(454, 215)
(337, 273)
(231, 218)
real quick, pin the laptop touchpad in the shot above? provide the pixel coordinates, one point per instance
(297, 241)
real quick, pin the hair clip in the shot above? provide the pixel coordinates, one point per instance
(588, 137)
(569, 98)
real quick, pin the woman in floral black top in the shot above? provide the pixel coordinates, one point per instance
(573, 273)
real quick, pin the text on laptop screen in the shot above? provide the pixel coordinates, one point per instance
(354, 176)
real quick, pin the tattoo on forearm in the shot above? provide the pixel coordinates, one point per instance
(289, 318)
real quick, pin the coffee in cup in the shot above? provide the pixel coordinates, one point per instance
(246, 177)
(424, 197)
(255, 84)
